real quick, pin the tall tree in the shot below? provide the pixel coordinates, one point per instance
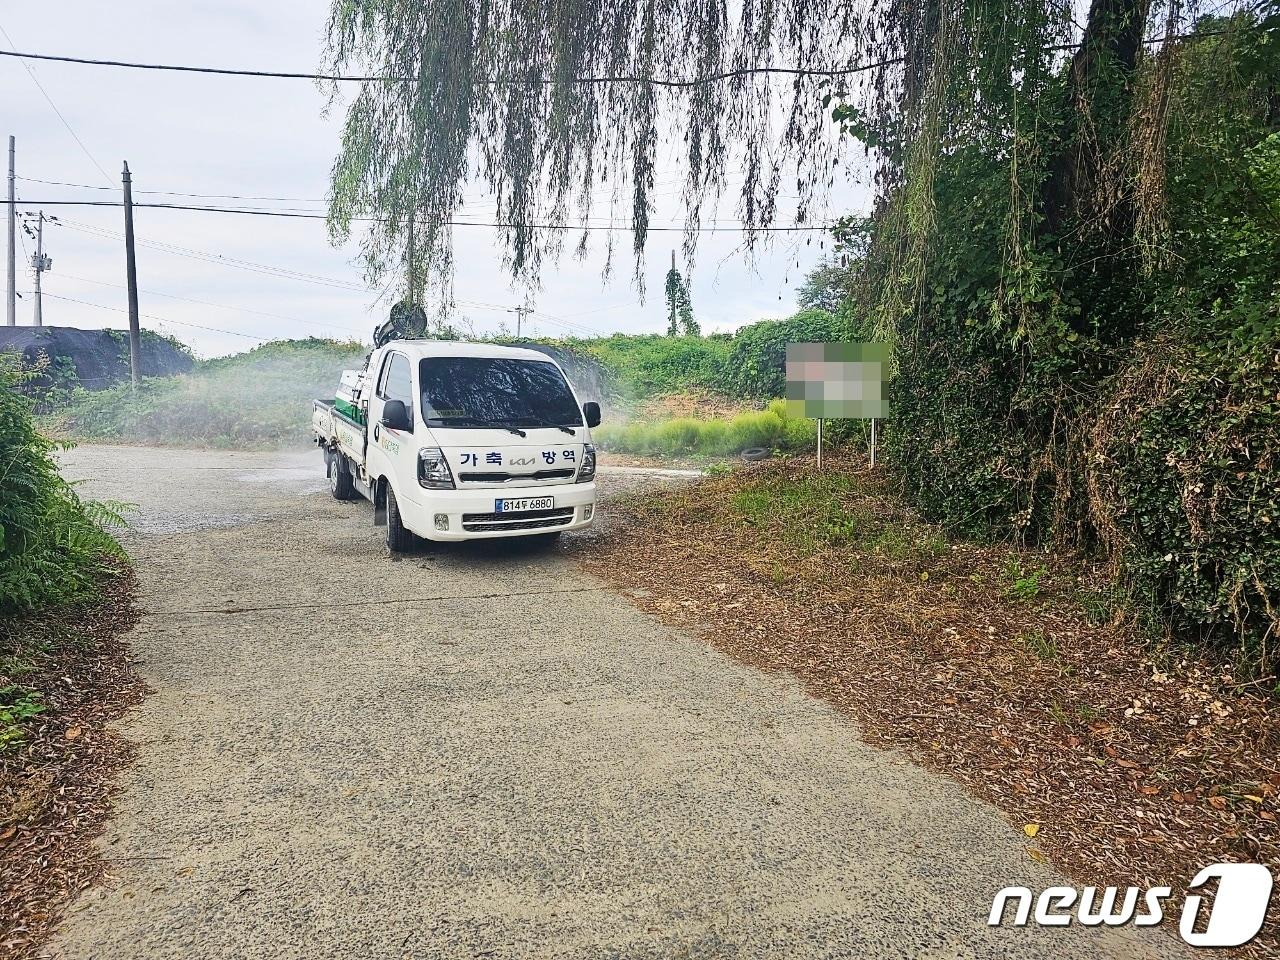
(680, 317)
(827, 286)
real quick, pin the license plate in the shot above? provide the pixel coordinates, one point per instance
(523, 503)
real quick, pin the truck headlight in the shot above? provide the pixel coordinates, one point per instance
(433, 469)
(587, 469)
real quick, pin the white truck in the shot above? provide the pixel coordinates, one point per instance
(461, 441)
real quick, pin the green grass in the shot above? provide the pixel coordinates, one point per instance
(1102, 605)
(1023, 584)
(826, 511)
(1040, 644)
(771, 428)
(259, 398)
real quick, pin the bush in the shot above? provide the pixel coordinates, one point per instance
(755, 367)
(53, 545)
(651, 364)
(1114, 390)
(1183, 481)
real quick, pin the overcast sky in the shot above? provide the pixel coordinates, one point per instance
(212, 135)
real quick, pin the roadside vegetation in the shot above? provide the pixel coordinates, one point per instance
(771, 429)
(1006, 667)
(54, 545)
(65, 599)
(258, 398)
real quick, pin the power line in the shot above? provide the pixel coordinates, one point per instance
(307, 215)
(502, 81)
(172, 193)
(235, 196)
(206, 256)
(39, 86)
(181, 323)
(218, 259)
(219, 306)
(568, 325)
(544, 81)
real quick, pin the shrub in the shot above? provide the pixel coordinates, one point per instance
(647, 365)
(1183, 474)
(755, 367)
(53, 545)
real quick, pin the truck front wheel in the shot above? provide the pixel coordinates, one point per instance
(340, 478)
(399, 538)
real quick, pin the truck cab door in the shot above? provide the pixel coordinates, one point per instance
(392, 452)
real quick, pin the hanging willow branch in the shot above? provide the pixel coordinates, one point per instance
(564, 111)
(499, 102)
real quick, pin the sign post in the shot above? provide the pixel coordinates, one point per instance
(841, 380)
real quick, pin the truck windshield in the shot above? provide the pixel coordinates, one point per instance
(499, 391)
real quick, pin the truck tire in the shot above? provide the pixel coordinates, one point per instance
(340, 478)
(399, 538)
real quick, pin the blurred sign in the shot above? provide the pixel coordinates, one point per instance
(837, 380)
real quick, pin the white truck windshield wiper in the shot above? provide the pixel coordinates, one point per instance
(540, 422)
(474, 422)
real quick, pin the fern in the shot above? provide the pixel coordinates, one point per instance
(54, 546)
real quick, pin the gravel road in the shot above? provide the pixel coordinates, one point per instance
(482, 752)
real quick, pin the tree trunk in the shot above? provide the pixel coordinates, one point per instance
(1087, 187)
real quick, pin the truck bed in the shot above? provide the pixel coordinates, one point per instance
(333, 427)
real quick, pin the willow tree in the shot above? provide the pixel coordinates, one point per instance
(563, 112)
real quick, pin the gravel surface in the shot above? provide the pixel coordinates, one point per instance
(482, 752)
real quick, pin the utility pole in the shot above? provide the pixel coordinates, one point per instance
(131, 274)
(11, 302)
(40, 264)
(520, 312)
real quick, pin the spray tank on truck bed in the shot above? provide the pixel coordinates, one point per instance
(406, 322)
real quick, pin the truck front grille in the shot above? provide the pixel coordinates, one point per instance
(502, 476)
(519, 520)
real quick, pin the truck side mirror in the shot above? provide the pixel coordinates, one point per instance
(395, 416)
(591, 410)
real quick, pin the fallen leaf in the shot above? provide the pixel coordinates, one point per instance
(1218, 803)
(1031, 829)
(8, 833)
(72, 733)
(1037, 855)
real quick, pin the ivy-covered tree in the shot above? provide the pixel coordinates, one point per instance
(680, 319)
